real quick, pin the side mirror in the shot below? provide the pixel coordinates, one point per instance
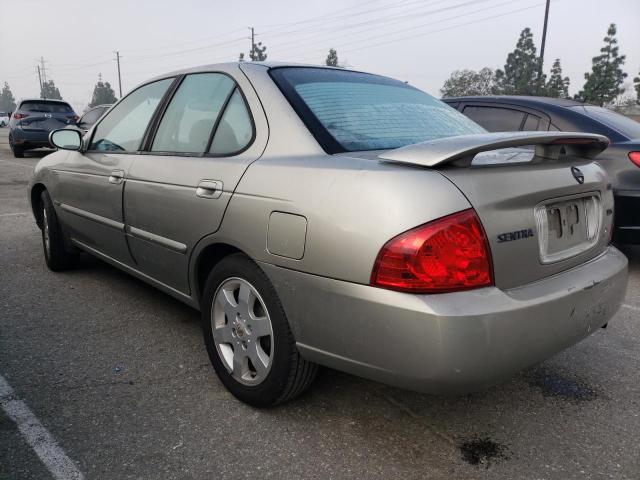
(66, 139)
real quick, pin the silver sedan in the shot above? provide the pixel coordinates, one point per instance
(320, 216)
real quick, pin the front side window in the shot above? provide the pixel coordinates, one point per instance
(123, 128)
(350, 111)
(187, 123)
(496, 119)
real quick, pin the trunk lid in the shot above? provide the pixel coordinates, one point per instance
(544, 210)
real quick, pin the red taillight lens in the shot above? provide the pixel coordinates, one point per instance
(73, 118)
(446, 255)
(635, 157)
(19, 116)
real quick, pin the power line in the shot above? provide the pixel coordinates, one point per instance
(387, 34)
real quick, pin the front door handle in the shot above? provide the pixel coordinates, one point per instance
(209, 189)
(117, 176)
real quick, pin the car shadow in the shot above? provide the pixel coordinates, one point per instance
(479, 430)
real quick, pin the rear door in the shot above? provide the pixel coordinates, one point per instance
(178, 190)
(45, 116)
(91, 183)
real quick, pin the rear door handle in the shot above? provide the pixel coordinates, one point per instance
(117, 176)
(209, 189)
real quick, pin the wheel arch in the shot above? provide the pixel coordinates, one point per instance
(36, 202)
(205, 260)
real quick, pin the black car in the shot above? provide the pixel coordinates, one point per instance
(621, 159)
(91, 117)
(33, 120)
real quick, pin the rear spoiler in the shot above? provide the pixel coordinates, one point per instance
(548, 145)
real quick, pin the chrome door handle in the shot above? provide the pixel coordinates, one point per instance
(117, 176)
(209, 189)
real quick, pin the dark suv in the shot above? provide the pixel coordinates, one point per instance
(33, 120)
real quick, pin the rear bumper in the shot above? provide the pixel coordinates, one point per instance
(29, 139)
(448, 343)
(627, 217)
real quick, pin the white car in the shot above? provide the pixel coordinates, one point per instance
(4, 119)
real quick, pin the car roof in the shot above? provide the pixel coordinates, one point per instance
(42, 100)
(523, 100)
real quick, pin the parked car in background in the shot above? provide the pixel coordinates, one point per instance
(4, 119)
(621, 160)
(324, 216)
(33, 121)
(90, 117)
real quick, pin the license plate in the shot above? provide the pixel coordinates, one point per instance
(567, 227)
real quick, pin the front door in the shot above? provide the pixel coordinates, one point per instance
(91, 183)
(178, 190)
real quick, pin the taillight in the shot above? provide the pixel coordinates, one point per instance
(19, 116)
(635, 158)
(446, 255)
(73, 118)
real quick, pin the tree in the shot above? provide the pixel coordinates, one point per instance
(636, 87)
(557, 86)
(520, 75)
(49, 90)
(604, 82)
(332, 58)
(258, 53)
(241, 58)
(102, 93)
(469, 82)
(7, 102)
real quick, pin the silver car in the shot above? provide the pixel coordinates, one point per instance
(321, 216)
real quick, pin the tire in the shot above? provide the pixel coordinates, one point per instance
(18, 152)
(56, 254)
(268, 371)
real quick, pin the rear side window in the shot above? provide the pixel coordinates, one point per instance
(531, 124)
(235, 129)
(496, 119)
(350, 111)
(92, 116)
(45, 107)
(187, 123)
(624, 125)
(123, 128)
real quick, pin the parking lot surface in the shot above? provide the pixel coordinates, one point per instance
(118, 375)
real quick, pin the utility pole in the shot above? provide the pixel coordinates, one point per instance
(40, 80)
(542, 45)
(252, 43)
(119, 77)
(44, 71)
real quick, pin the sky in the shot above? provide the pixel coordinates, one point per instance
(419, 41)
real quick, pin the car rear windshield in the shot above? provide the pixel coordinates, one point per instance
(624, 125)
(352, 111)
(46, 107)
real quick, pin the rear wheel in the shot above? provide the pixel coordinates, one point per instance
(248, 337)
(18, 152)
(56, 253)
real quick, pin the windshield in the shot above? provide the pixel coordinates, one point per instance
(350, 111)
(624, 125)
(46, 107)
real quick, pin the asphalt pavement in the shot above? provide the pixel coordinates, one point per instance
(117, 374)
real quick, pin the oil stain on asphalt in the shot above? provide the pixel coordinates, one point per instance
(555, 384)
(483, 451)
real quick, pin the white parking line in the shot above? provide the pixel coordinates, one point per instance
(631, 307)
(38, 437)
(13, 214)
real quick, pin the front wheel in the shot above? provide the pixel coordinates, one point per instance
(56, 254)
(247, 335)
